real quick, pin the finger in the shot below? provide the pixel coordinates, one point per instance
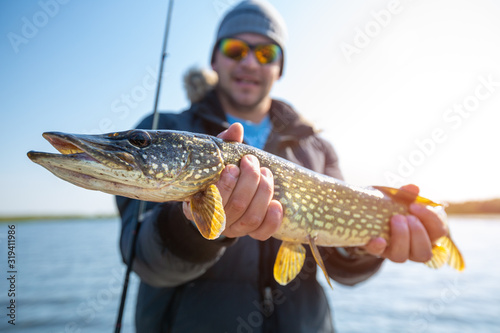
(227, 182)
(376, 246)
(436, 228)
(244, 190)
(271, 223)
(233, 133)
(254, 215)
(412, 188)
(399, 248)
(420, 244)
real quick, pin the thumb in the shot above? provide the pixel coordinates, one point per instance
(376, 246)
(233, 133)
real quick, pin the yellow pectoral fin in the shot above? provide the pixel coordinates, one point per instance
(289, 262)
(405, 196)
(439, 257)
(208, 212)
(319, 260)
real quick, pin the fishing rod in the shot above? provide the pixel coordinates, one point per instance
(142, 204)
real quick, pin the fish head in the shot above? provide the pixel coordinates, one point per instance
(139, 164)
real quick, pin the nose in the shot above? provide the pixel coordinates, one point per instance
(250, 61)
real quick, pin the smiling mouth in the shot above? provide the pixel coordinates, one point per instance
(246, 81)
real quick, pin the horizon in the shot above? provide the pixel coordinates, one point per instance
(407, 92)
(102, 215)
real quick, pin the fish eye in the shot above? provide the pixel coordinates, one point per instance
(139, 139)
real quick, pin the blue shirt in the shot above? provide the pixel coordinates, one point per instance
(254, 134)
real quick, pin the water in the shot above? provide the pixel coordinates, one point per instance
(69, 278)
(412, 298)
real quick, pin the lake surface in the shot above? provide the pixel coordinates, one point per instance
(69, 277)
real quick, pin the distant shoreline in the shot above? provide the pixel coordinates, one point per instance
(28, 218)
(33, 218)
(483, 208)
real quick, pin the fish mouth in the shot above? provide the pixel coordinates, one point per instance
(81, 150)
(94, 162)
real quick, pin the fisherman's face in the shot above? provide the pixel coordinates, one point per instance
(246, 83)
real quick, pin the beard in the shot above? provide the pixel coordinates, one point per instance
(242, 101)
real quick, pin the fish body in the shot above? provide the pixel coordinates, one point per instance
(165, 166)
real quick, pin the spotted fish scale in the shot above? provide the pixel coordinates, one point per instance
(181, 166)
(314, 205)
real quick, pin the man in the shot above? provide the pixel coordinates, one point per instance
(190, 284)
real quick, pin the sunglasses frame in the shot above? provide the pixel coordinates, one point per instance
(251, 47)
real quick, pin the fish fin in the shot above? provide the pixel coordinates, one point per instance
(445, 251)
(406, 197)
(208, 212)
(289, 262)
(455, 259)
(319, 260)
(439, 257)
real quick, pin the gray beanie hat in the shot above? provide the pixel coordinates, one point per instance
(257, 17)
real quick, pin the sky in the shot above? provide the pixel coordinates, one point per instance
(406, 91)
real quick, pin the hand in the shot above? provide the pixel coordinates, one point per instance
(412, 236)
(247, 193)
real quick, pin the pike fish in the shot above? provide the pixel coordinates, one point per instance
(165, 166)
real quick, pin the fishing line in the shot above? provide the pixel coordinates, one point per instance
(142, 204)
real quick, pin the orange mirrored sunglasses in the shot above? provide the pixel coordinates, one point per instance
(237, 49)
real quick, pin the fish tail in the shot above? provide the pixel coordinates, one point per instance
(439, 257)
(455, 259)
(445, 251)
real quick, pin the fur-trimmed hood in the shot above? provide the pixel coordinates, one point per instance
(198, 82)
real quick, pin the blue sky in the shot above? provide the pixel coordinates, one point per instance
(407, 91)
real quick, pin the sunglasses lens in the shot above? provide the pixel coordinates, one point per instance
(233, 48)
(268, 53)
(238, 50)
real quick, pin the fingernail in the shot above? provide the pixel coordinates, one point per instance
(379, 247)
(252, 159)
(399, 219)
(414, 207)
(277, 209)
(411, 219)
(233, 170)
(221, 134)
(266, 172)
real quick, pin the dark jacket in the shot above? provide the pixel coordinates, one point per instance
(190, 284)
